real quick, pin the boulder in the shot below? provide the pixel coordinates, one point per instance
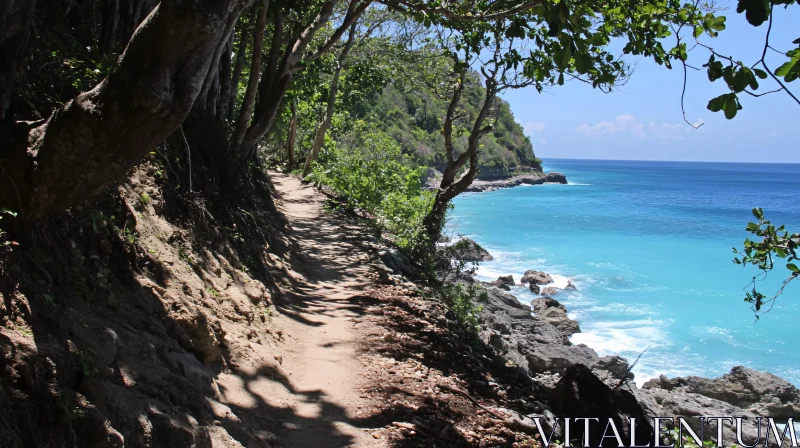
(553, 312)
(580, 394)
(532, 343)
(468, 250)
(674, 403)
(397, 262)
(504, 282)
(759, 392)
(536, 277)
(570, 285)
(549, 291)
(534, 288)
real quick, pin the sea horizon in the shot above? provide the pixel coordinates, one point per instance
(670, 161)
(648, 244)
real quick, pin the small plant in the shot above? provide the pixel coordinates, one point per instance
(144, 199)
(214, 293)
(130, 235)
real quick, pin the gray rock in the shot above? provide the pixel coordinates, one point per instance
(468, 250)
(570, 285)
(504, 282)
(533, 344)
(555, 313)
(534, 288)
(759, 392)
(536, 277)
(580, 394)
(397, 262)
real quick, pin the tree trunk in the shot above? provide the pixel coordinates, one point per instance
(225, 80)
(274, 87)
(319, 138)
(109, 31)
(15, 22)
(246, 111)
(291, 138)
(101, 134)
(241, 53)
(449, 188)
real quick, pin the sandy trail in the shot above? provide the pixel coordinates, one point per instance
(322, 370)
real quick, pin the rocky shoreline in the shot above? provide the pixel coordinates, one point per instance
(529, 178)
(515, 181)
(535, 339)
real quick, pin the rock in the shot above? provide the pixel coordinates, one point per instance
(536, 277)
(549, 291)
(397, 262)
(616, 365)
(759, 392)
(468, 250)
(504, 282)
(555, 313)
(534, 288)
(533, 344)
(554, 358)
(570, 285)
(580, 394)
(663, 403)
(532, 178)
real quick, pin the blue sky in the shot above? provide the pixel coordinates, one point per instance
(643, 121)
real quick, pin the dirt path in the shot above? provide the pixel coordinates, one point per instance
(323, 372)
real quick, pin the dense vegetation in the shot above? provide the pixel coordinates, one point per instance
(366, 92)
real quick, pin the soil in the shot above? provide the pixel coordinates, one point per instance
(250, 325)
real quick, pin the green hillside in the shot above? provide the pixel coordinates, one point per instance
(414, 119)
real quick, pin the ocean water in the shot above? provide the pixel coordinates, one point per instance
(649, 247)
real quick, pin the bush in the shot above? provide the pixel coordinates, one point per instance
(371, 173)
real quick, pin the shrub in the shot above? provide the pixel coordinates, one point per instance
(368, 169)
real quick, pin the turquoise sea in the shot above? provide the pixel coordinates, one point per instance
(648, 245)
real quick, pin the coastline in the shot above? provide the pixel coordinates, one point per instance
(536, 341)
(431, 182)
(538, 346)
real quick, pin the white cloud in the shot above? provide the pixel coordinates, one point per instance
(533, 126)
(628, 125)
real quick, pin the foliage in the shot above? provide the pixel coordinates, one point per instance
(370, 172)
(744, 78)
(414, 118)
(775, 242)
(461, 298)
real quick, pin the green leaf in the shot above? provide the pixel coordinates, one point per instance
(783, 70)
(792, 267)
(756, 11)
(715, 105)
(597, 39)
(718, 24)
(698, 31)
(760, 73)
(731, 106)
(563, 56)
